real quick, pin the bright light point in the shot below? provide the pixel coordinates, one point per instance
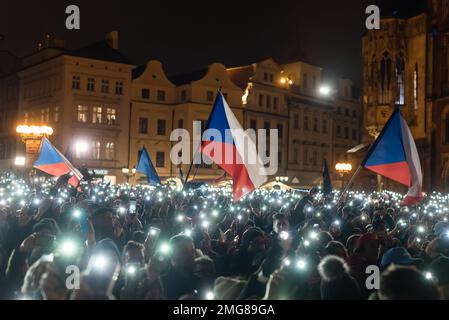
(307, 243)
(324, 90)
(131, 270)
(165, 248)
(429, 275)
(337, 222)
(188, 232)
(122, 210)
(313, 235)
(180, 218)
(100, 262)
(215, 213)
(205, 224)
(301, 264)
(287, 262)
(20, 161)
(239, 217)
(284, 235)
(421, 229)
(210, 295)
(77, 214)
(81, 146)
(68, 248)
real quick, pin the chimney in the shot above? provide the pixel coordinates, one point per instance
(112, 39)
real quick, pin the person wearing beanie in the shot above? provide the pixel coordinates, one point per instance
(336, 283)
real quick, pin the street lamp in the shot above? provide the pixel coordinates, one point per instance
(343, 169)
(129, 173)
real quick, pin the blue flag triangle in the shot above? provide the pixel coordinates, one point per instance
(145, 166)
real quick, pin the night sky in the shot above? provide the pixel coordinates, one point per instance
(187, 35)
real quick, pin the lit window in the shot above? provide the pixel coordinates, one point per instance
(119, 88)
(110, 151)
(56, 114)
(111, 116)
(76, 82)
(96, 115)
(400, 74)
(82, 114)
(90, 84)
(105, 86)
(96, 150)
(25, 117)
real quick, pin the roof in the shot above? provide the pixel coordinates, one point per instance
(241, 75)
(188, 77)
(100, 51)
(138, 71)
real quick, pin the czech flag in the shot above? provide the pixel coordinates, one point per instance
(52, 161)
(394, 156)
(235, 152)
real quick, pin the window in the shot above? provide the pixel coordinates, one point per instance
(42, 115)
(338, 132)
(346, 133)
(143, 125)
(296, 121)
(268, 102)
(347, 112)
(161, 95)
(90, 84)
(119, 88)
(76, 82)
(161, 127)
(415, 87)
(305, 159)
(315, 158)
(306, 123)
(261, 99)
(55, 114)
(209, 96)
(305, 81)
(354, 134)
(111, 116)
(180, 123)
(96, 114)
(25, 117)
(47, 115)
(315, 124)
(313, 82)
(183, 95)
(271, 77)
(160, 159)
(145, 93)
(275, 103)
(96, 150)
(267, 127)
(296, 155)
(265, 76)
(82, 114)
(354, 114)
(400, 75)
(385, 78)
(110, 151)
(280, 128)
(253, 124)
(105, 86)
(324, 126)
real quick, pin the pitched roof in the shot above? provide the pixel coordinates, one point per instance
(188, 77)
(241, 75)
(100, 50)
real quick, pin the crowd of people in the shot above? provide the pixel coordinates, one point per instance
(103, 241)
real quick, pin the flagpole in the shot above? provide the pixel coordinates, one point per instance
(348, 185)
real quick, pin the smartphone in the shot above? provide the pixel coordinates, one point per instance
(132, 207)
(133, 273)
(154, 233)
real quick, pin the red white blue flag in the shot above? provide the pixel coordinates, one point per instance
(235, 152)
(394, 156)
(52, 161)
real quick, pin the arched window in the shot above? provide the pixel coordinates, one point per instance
(400, 75)
(385, 78)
